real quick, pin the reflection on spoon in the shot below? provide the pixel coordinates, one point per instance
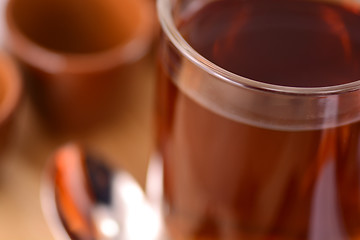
(84, 199)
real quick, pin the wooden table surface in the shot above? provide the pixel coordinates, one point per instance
(125, 141)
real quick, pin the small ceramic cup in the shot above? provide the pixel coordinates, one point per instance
(10, 95)
(75, 54)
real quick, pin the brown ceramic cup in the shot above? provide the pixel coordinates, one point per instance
(10, 94)
(75, 54)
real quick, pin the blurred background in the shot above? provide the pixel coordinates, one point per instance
(124, 140)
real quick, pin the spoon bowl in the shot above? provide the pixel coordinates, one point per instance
(83, 198)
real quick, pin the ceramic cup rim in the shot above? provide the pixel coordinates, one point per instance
(10, 78)
(52, 61)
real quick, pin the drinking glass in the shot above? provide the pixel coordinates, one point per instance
(258, 109)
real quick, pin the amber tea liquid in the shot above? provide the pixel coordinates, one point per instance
(227, 179)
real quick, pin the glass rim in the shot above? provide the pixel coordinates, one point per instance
(171, 31)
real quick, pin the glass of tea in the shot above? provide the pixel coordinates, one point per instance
(258, 119)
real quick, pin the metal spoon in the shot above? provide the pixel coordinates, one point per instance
(84, 199)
